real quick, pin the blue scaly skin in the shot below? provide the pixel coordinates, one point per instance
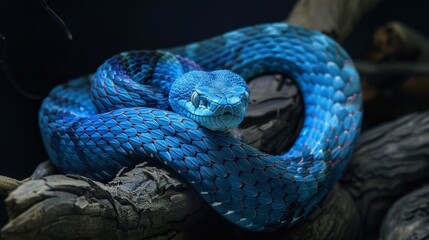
(123, 116)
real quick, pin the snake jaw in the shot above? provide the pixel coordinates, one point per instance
(212, 115)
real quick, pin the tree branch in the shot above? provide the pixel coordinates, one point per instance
(390, 161)
(408, 218)
(333, 17)
(143, 203)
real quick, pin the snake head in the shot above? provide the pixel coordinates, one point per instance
(216, 100)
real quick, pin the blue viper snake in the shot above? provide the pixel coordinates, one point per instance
(160, 104)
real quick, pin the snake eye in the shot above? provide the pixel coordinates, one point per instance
(195, 99)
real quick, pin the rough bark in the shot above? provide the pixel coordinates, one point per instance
(391, 160)
(408, 218)
(334, 17)
(141, 204)
(8, 184)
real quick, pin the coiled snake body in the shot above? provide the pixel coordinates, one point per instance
(123, 116)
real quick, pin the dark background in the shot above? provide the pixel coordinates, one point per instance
(40, 56)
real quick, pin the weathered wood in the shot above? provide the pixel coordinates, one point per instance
(334, 17)
(8, 184)
(43, 169)
(141, 204)
(408, 218)
(391, 160)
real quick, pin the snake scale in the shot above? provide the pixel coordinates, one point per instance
(124, 115)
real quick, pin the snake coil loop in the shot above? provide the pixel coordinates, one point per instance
(123, 115)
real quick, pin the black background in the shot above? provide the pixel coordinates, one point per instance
(40, 56)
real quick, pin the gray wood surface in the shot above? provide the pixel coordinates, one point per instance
(408, 218)
(391, 160)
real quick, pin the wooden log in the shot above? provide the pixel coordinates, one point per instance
(8, 184)
(141, 204)
(333, 17)
(390, 161)
(408, 218)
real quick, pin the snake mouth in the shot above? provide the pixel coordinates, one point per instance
(220, 122)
